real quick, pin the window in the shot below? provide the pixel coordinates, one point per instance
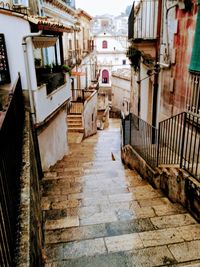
(124, 62)
(105, 76)
(104, 44)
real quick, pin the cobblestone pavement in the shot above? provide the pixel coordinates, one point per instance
(100, 213)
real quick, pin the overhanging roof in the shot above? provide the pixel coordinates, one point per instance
(49, 24)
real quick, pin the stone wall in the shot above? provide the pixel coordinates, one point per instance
(176, 183)
(30, 236)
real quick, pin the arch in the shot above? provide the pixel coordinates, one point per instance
(105, 76)
(104, 44)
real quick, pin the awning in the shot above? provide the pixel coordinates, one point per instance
(44, 41)
(195, 59)
(49, 24)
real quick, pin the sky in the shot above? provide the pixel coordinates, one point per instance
(100, 7)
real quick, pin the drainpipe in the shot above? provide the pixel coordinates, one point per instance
(31, 99)
(167, 32)
(156, 77)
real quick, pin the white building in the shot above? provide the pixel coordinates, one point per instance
(49, 89)
(111, 55)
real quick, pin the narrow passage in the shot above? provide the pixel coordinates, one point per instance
(100, 213)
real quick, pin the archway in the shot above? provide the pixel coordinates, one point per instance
(105, 76)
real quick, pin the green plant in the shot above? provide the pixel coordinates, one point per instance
(48, 66)
(37, 62)
(66, 68)
(134, 56)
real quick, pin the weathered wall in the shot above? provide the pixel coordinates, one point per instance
(30, 238)
(176, 183)
(90, 115)
(53, 140)
(174, 80)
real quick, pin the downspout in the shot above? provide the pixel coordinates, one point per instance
(156, 77)
(31, 99)
(167, 32)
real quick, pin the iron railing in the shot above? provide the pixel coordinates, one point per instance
(190, 158)
(11, 136)
(142, 137)
(80, 95)
(171, 140)
(175, 142)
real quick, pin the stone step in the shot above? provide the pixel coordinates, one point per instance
(74, 116)
(76, 129)
(75, 122)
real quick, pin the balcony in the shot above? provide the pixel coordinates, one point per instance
(142, 26)
(52, 78)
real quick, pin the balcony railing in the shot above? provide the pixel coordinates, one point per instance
(175, 142)
(53, 78)
(79, 96)
(11, 136)
(143, 20)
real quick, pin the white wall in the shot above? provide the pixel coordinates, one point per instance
(90, 115)
(46, 104)
(120, 93)
(53, 141)
(13, 39)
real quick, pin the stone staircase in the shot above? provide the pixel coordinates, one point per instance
(75, 123)
(99, 213)
(75, 128)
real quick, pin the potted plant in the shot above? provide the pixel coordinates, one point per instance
(67, 69)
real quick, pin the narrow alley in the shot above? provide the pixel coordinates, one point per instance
(98, 212)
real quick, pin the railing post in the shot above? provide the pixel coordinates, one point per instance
(130, 129)
(183, 143)
(123, 130)
(83, 96)
(158, 147)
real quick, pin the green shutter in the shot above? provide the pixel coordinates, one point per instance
(195, 59)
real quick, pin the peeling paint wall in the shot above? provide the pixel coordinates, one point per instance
(173, 85)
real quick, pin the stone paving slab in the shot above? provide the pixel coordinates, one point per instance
(100, 213)
(176, 220)
(186, 251)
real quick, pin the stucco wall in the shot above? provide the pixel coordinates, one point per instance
(15, 52)
(53, 140)
(90, 115)
(120, 93)
(46, 104)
